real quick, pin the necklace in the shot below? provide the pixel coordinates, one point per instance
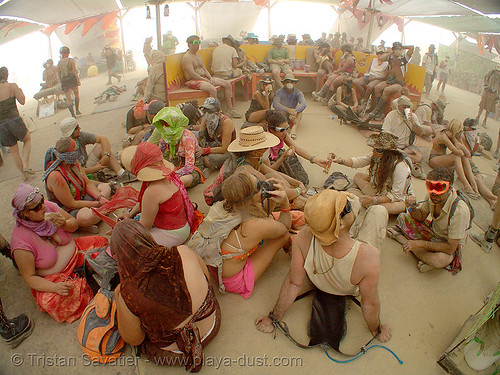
(314, 263)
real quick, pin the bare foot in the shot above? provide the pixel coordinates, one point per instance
(395, 234)
(424, 267)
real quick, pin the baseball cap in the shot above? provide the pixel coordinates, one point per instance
(68, 126)
(211, 104)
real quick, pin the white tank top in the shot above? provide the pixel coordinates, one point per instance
(333, 275)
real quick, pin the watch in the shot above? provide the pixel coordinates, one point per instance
(107, 154)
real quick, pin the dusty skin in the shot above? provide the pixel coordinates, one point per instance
(424, 310)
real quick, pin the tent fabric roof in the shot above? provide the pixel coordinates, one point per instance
(10, 29)
(471, 24)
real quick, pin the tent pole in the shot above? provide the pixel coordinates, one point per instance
(269, 20)
(158, 24)
(124, 62)
(50, 47)
(370, 28)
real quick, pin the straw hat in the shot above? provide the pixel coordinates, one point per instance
(383, 140)
(253, 138)
(289, 77)
(322, 214)
(266, 80)
(146, 173)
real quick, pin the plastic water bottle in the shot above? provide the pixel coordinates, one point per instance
(333, 117)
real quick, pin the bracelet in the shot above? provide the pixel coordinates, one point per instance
(311, 159)
(286, 210)
(342, 161)
(298, 191)
(375, 200)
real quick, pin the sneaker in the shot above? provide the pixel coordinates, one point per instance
(495, 168)
(16, 330)
(324, 101)
(206, 172)
(316, 96)
(495, 154)
(30, 171)
(126, 177)
(485, 245)
(232, 113)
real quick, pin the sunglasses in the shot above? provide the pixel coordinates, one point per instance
(281, 130)
(38, 207)
(31, 196)
(347, 209)
(437, 187)
(196, 42)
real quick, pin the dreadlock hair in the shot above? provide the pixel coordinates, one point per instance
(383, 169)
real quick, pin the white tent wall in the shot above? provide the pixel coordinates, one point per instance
(92, 42)
(349, 25)
(221, 19)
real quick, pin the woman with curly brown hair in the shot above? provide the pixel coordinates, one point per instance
(388, 180)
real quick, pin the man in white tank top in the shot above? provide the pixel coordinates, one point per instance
(335, 262)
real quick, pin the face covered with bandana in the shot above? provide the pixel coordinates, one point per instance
(212, 121)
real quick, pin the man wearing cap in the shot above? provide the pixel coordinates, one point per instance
(279, 58)
(359, 45)
(377, 73)
(404, 124)
(251, 38)
(169, 43)
(431, 114)
(395, 80)
(291, 101)
(438, 244)
(334, 261)
(216, 133)
(100, 157)
(490, 95)
(430, 63)
(198, 78)
(137, 128)
(225, 60)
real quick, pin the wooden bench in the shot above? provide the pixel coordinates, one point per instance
(256, 77)
(176, 89)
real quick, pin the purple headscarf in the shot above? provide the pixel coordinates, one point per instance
(42, 228)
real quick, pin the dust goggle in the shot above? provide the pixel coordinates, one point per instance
(196, 42)
(437, 187)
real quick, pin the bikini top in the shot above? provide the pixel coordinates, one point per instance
(243, 254)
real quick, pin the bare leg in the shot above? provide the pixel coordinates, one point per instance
(228, 91)
(444, 85)
(433, 259)
(104, 189)
(276, 76)
(319, 77)
(26, 150)
(187, 180)
(361, 180)
(208, 88)
(468, 173)
(485, 192)
(265, 254)
(14, 150)
(395, 208)
(85, 217)
(257, 116)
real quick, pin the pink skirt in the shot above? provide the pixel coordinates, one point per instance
(243, 282)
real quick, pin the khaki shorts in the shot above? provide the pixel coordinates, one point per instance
(229, 74)
(281, 68)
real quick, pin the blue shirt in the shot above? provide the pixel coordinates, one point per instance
(284, 100)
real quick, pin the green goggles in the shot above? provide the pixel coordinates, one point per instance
(196, 42)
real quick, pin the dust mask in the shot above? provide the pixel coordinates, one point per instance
(289, 86)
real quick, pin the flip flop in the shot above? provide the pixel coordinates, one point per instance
(393, 233)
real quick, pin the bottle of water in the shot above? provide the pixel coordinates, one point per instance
(333, 117)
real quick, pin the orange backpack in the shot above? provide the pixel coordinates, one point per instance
(98, 329)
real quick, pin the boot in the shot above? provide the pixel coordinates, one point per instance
(71, 110)
(318, 95)
(379, 108)
(77, 106)
(5, 250)
(1, 159)
(14, 331)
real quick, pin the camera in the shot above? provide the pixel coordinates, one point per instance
(266, 187)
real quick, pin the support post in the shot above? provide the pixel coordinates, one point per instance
(158, 25)
(269, 7)
(50, 47)
(124, 51)
(370, 28)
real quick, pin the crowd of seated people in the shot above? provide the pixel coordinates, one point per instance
(259, 195)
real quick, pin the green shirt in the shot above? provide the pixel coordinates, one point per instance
(169, 42)
(278, 54)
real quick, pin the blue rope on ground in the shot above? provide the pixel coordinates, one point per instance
(363, 352)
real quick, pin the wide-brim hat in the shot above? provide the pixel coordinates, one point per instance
(289, 77)
(440, 104)
(68, 126)
(146, 173)
(251, 36)
(253, 138)
(383, 140)
(322, 214)
(266, 80)
(404, 100)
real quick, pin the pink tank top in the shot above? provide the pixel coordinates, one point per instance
(44, 251)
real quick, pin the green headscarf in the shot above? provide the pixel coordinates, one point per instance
(172, 133)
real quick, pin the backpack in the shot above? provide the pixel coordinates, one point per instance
(98, 333)
(461, 196)
(207, 240)
(485, 141)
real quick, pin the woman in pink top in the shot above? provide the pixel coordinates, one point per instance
(46, 254)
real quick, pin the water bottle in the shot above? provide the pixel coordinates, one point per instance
(333, 117)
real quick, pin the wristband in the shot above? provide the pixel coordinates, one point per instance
(205, 151)
(342, 161)
(375, 200)
(286, 210)
(99, 197)
(298, 191)
(108, 153)
(311, 159)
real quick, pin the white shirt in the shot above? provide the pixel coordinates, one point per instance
(222, 58)
(377, 70)
(394, 124)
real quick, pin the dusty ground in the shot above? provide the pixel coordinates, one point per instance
(424, 310)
